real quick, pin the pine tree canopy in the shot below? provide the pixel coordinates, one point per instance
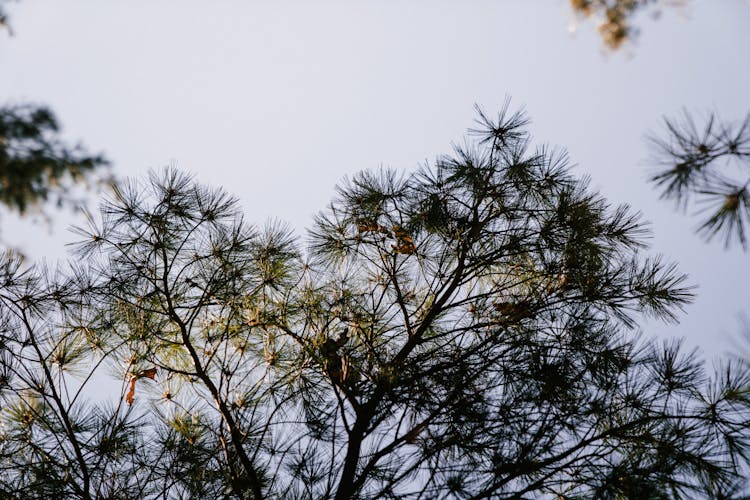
(468, 330)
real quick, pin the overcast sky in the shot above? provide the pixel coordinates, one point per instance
(278, 100)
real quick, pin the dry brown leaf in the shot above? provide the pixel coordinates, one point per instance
(131, 393)
(150, 373)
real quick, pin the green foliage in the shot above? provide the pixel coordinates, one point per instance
(463, 331)
(35, 165)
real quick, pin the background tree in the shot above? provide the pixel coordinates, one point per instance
(4, 23)
(463, 331)
(36, 166)
(615, 17)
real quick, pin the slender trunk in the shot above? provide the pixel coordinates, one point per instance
(347, 487)
(349, 484)
(234, 432)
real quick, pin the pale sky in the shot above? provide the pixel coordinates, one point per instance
(278, 100)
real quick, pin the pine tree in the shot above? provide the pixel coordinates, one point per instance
(35, 165)
(463, 331)
(709, 164)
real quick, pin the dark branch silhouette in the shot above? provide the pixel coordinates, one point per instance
(463, 331)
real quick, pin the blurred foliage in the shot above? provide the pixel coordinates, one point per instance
(615, 18)
(462, 331)
(4, 20)
(36, 166)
